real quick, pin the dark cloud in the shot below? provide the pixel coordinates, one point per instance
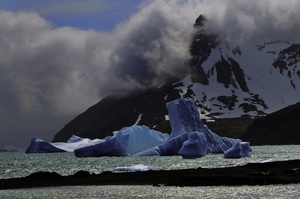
(51, 74)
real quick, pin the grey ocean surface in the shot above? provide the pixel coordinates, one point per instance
(21, 164)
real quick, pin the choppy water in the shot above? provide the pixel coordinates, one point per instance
(103, 192)
(20, 164)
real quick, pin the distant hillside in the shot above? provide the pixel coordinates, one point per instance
(279, 128)
(115, 112)
(3, 150)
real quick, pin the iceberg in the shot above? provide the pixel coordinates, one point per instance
(269, 160)
(238, 150)
(169, 148)
(189, 138)
(128, 141)
(134, 168)
(38, 145)
(194, 147)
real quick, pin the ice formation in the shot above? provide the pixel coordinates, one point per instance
(168, 148)
(194, 147)
(127, 141)
(238, 150)
(38, 145)
(189, 138)
(269, 160)
(134, 168)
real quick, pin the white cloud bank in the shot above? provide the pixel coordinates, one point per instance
(50, 74)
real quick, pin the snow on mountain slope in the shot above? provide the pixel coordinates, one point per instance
(253, 79)
(226, 79)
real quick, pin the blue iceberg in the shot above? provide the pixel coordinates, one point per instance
(194, 147)
(38, 145)
(189, 138)
(168, 148)
(238, 150)
(128, 141)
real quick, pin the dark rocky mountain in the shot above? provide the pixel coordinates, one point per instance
(115, 112)
(279, 128)
(225, 81)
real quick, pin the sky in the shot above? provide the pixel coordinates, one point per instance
(59, 57)
(90, 14)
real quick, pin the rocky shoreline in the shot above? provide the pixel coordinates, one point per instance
(281, 172)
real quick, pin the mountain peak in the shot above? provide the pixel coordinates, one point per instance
(200, 21)
(225, 81)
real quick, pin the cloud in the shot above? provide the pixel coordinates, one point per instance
(46, 71)
(41, 64)
(50, 74)
(254, 21)
(58, 72)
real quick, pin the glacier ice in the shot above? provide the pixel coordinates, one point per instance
(269, 160)
(238, 150)
(194, 147)
(134, 168)
(170, 147)
(127, 141)
(38, 145)
(189, 138)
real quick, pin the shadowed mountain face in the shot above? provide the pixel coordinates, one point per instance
(115, 112)
(225, 81)
(279, 128)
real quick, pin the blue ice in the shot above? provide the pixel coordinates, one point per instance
(189, 138)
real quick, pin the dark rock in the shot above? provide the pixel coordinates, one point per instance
(239, 75)
(228, 101)
(43, 176)
(249, 174)
(82, 174)
(200, 50)
(288, 58)
(279, 128)
(115, 112)
(200, 21)
(230, 73)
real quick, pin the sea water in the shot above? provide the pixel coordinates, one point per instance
(21, 164)
(109, 192)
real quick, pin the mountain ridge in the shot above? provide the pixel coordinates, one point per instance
(226, 80)
(279, 128)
